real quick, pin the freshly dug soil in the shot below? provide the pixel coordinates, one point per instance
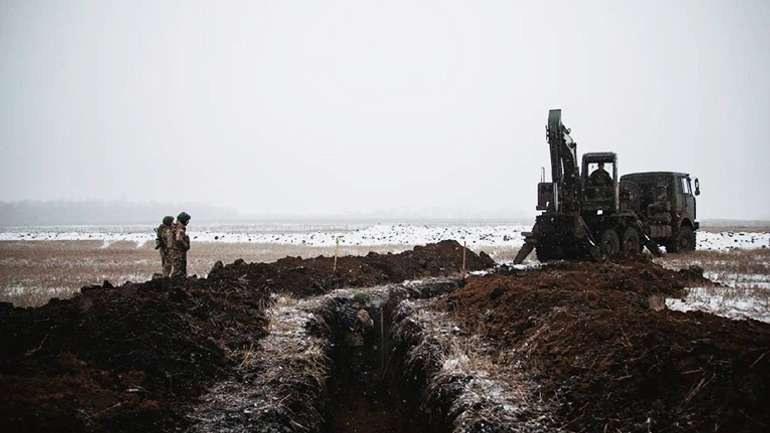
(308, 277)
(116, 359)
(586, 332)
(133, 358)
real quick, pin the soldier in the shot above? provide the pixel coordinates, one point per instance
(358, 325)
(163, 240)
(357, 320)
(180, 244)
(600, 177)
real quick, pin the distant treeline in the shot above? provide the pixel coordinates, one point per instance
(25, 213)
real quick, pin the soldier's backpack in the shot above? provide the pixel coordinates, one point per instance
(159, 242)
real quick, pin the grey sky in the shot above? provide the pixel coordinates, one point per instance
(430, 108)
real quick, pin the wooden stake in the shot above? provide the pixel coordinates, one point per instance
(336, 253)
(465, 248)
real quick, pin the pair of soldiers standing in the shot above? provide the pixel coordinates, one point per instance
(173, 243)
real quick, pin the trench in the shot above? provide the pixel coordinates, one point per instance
(365, 395)
(406, 377)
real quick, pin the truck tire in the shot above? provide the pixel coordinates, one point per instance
(683, 241)
(610, 243)
(632, 246)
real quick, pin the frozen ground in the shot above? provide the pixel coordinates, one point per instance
(733, 303)
(728, 240)
(288, 234)
(744, 283)
(475, 235)
(32, 271)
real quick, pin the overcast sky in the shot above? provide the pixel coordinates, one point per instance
(418, 108)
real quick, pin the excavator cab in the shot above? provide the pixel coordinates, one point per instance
(600, 182)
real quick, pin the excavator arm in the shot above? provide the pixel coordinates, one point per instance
(560, 198)
(565, 173)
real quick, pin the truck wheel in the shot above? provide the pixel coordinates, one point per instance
(631, 244)
(610, 243)
(685, 240)
(595, 253)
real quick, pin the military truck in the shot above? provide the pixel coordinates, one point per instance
(590, 213)
(665, 203)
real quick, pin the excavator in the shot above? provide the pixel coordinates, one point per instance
(585, 216)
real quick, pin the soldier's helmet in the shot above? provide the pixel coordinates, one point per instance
(360, 299)
(168, 220)
(183, 218)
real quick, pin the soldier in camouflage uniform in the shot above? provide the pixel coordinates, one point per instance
(600, 177)
(357, 320)
(179, 246)
(163, 240)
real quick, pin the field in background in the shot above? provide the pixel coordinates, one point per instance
(31, 272)
(743, 274)
(716, 226)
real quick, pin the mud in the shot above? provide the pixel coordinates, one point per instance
(361, 399)
(119, 358)
(608, 361)
(305, 377)
(312, 277)
(137, 357)
(578, 347)
(455, 383)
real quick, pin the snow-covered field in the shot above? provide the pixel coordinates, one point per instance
(728, 240)
(476, 236)
(733, 303)
(322, 235)
(744, 283)
(735, 259)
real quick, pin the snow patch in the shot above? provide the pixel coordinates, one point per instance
(474, 235)
(733, 303)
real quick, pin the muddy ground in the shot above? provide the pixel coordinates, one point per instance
(579, 347)
(135, 357)
(32, 272)
(607, 356)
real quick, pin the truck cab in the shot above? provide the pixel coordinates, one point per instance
(665, 202)
(600, 193)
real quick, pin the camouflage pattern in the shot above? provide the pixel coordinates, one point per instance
(177, 253)
(162, 241)
(358, 326)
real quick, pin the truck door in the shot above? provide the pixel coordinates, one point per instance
(688, 199)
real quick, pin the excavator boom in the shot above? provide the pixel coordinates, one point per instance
(582, 216)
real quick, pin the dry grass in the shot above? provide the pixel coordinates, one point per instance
(756, 262)
(735, 303)
(733, 226)
(32, 272)
(33, 296)
(746, 273)
(484, 394)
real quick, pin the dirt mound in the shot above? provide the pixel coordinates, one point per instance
(117, 358)
(133, 358)
(586, 332)
(315, 276)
